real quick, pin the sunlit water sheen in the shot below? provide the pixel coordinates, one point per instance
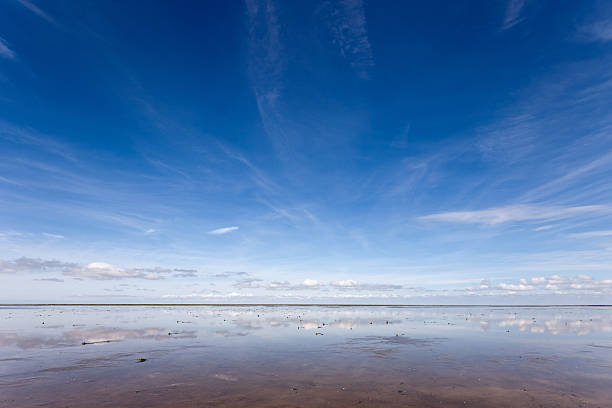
(305, 356)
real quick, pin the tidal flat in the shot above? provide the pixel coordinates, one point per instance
(305, 356)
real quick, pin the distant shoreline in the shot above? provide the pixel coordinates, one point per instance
(285, 305)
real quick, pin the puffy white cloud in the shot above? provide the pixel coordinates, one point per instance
(310, 282)
(349, 283)
(519, 286)
(103, 271)
(485, 284)
(553, 284)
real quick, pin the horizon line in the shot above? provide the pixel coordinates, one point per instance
(302, 304)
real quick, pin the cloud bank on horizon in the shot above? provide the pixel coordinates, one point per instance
(316, 152)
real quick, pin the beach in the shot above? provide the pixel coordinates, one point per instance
(305, 356)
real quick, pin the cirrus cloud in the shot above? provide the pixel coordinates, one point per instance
(93, 270)
(221, 231)
(5, 51)
(499, 215)
(350, 284)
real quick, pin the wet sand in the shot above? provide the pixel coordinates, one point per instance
(218, 356)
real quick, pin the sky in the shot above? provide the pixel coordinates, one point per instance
(306, 152)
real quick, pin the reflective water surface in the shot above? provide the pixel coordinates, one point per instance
(262, 356)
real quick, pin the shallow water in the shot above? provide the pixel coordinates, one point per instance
(259, 356)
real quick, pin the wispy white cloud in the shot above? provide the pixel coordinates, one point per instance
(5, 51)
(31, 264)
(50, 279)
(36, 10)
(28, 136)
(591, 234)
(93, 270)
(350, 284)
(184, 273)
(600, 30)
(104, 271)
(221, 231)
(498, 215)
(256, 283)
(555, 140)
(54, 236)
(347, 22)
(309, 284)
(274, 50)
(576, 261)
(209, 295)
(258, 177)
(512, 15)
(267, 64)
(593, 168)
(250, 283)
(229, 274)
(511, 139)
(8, 181)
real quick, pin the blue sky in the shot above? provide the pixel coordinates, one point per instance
(264, 151)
